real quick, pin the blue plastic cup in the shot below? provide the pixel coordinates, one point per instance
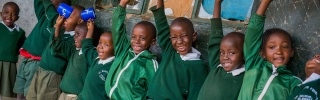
(65, 10)
(88, 14)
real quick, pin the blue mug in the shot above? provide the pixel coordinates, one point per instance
(65, 10)
(88, 14)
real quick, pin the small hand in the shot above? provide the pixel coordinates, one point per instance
(123, 3)
(90, 25)
(59, 21)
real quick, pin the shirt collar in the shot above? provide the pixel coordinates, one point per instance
(106, 60)
(235, 72)
(313, 76)
(80, 52)
(70, 33)
(11, 29)
(194, 55)
(274, 69)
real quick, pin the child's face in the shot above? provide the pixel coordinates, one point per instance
(182, 38)
(141, 39)
(105, 46)
(72, 21)
(312, 64)
(79, 35)
(9, 15)
(278, 49)
(231, 54)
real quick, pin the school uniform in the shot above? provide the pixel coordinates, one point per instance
(35, 43)
(309, 90)
(46, 80)
(130, 73)
(11, 40)
(262, 79)
(93, 88)
(219, 84)
(77, 68)
(179, 76)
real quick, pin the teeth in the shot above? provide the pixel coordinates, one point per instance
(316, 60)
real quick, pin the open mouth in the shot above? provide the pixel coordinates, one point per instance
(100, 53)
(279, 59)
(226, 64)
(181, 48)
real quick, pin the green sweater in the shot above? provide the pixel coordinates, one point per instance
(93, 88)
(10, 43)
(219, 84)
(77, 68)
(260, 71)
(176, 79)
(307, 91)
(39, 37)
(51, 62)
(130, 74)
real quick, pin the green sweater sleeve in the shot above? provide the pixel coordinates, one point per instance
(22, 39)
(50, 12)
(120, 40)
(38, 8)
(215, 38)
(62, 48)
(88, 50)
(163, 30)
(253, 40)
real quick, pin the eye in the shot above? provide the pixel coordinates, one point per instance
(106, 44)
(222, 53)
(232, 53)
(271, 47)
(173, 37)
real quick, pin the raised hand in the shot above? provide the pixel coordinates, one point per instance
(124, 3)
(59, 21)
(90, 25)
(160, 3)
(217, 9)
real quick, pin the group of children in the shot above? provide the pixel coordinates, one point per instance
(68, 59)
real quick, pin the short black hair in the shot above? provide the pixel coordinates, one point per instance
(68, 2)
(266, 35)
(183, 21)
(12, 4)
(96, 36)
(150, 26)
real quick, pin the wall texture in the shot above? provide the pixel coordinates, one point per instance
(299, 17)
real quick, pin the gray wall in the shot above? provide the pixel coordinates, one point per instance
(299, 17)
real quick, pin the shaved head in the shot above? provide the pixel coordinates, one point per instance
(147, 26)
(235, 38)
(183, 22)
(13, 5)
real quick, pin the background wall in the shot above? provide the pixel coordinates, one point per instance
(299, 17)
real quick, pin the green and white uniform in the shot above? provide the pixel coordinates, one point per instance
(309, 90)
(179, 76)
(130, 73)
(262, 80)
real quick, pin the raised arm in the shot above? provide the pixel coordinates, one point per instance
(38, 8)
(216, 36)
(119, 34)
(50, 12)
(88, 49)
(163, 30)
(253, 37)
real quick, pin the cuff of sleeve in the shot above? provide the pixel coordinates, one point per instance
(258, 17)
(216, 23)
(157, 11)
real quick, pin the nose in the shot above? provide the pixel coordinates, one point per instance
(225, 56)
(279, 50)
(179, 40)
(317, 56)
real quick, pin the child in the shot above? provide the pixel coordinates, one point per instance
(310, 89)
(46, 81)
(266, 55)
(181, 72)
(77, 67)
(11, 40)
(100, 60)
(225, 79)
(34, 45)
(134, 66)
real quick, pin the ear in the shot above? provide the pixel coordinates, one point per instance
(194, 36)
(18, 18)
(292, 53)
(262, 54)
(153, 42)
(80, 21)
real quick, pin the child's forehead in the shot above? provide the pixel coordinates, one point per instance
(10, 6)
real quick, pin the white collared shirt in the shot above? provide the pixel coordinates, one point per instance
(106, 60)
(235, 72)
(70, 32)
(80, 52)
(194, 55)
(274, 69)
(11, 29)
(313, 76)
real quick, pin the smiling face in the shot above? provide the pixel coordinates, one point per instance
(231, 51)
(10, 14)
(80, 34)
(74, 19)
(181, 38)
(278, 49)
(105, 46)
(312, 65)
(141, 38)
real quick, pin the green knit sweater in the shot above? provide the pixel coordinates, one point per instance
(10, 43)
